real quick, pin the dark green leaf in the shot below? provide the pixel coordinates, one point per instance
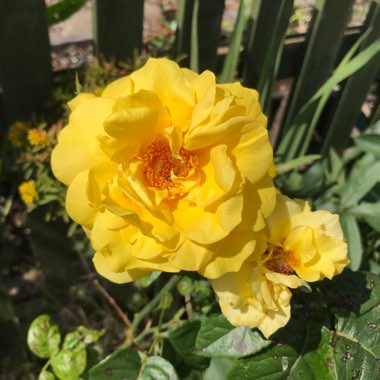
(351, 231)
(156, 368)
(63, 10)
(351, 293)
(43, 336)
(182, 339)
(217, 338)
(69, 364)
(218, 369)
(120, 364)
(357, 346)
(369, 143)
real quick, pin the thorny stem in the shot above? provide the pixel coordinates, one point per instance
(112, 303)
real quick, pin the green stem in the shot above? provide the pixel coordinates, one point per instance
(157, 334)
(153, 303)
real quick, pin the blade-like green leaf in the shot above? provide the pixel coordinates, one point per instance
(368, 143)
(232, 60)
(62, 10)
(365, 209)
(322, 44)
(297, 140)
(355, 90)
(352, 233)
(194, 55)
(359, 183)
(296, 163)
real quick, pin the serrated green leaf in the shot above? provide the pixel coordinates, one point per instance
(351, 293)
(121, 363)
(149, 279)
(216, 338)
(182, 339)
(357, 346)
(369, 143)
(218, 369)
(156, 368)
(351, 231)
(297, 352)
(46, 375)
(69, 364)
(43, 336)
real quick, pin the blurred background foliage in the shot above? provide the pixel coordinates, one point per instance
(316, 67)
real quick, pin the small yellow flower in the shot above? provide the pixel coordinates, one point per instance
(38, 137)
(302, 245)
(17, 133)
(28, 192)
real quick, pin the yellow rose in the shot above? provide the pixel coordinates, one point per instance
(302, 245)
(167, 171)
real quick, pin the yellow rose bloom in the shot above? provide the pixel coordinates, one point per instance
(38, 137)
(301, 245)
(28, 192)
(167, 171)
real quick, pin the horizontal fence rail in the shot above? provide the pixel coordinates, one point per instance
(260, 53)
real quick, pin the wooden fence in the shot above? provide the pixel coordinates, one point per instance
(26, 78)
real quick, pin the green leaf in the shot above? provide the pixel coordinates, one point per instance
(365, 209)
(232, 60)
(357, 346)
(156, 368)
(149, 279)
(43, 336)
(218, 369)
(182, 339)
(46, 375)
(369, 143)
(351, 293)
(359, 184)
(69, 364)
(351, 231)
(218, 338)
(81, 337)
(296, 163)
(301, 352)
(63, 10)
(121, 363)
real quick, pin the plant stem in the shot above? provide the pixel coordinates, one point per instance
(154, 302)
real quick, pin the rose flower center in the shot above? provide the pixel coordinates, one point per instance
(280, 261)
(161, 164)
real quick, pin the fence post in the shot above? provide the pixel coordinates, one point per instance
(118, 26)
(25, 65)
